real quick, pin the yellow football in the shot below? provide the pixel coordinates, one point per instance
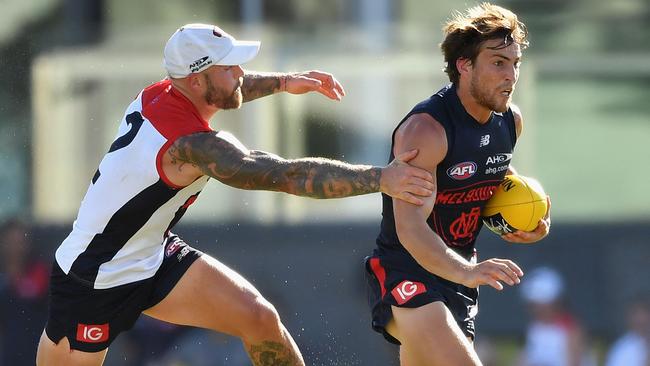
(517, 204)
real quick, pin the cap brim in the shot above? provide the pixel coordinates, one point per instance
(241, 52)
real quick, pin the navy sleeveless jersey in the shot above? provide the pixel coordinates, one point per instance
(478, 156)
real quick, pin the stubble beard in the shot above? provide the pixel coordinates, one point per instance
(483, 97)
(220, 97)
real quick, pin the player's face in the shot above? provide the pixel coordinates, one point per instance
(494, 75)
(223, 86)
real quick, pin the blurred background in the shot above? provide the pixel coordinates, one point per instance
(69, 68)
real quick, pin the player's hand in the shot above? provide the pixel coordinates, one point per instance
(493, 272)
(406, 182)
(318, 81)
(540, 232)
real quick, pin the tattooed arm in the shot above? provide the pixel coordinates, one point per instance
(223, 157)
(260, 84)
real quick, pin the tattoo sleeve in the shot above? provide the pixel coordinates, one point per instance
(227, 162)
(257, 85)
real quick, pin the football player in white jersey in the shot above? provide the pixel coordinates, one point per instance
(121, 260)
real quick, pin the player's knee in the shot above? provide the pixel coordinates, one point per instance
(263, 320)
(265, 315)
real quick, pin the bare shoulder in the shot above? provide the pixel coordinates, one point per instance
(421, 131)
(519, 121)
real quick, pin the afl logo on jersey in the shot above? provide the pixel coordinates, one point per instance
(462, 171)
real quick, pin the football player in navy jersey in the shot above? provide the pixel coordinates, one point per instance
(121, 259)
(424, 275)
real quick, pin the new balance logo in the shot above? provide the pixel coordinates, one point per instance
(485, 140)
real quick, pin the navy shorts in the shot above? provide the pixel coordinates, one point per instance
(396, 279)
(92, 318)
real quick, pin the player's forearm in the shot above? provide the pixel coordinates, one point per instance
(307, 177)
(323, 178)
(260, 84)
(428, 249)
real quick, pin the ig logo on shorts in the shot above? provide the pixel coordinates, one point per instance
(90, 333)
(406, 290)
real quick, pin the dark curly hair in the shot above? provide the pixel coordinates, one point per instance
(465, 33)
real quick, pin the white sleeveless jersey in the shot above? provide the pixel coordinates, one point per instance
(130, 206)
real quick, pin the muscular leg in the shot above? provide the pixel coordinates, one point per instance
(430, 337)
(53, 354)
(211, 295)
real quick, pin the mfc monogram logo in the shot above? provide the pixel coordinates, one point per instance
(465, 225)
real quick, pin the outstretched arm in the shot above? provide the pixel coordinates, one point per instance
(260, 84)
(224, 158)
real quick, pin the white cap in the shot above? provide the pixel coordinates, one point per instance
(542, 285)
(195, 47)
